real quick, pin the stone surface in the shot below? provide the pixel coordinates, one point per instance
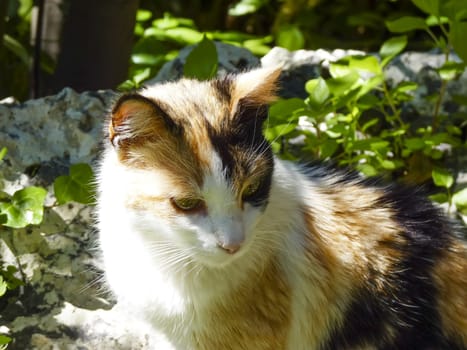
(63, 304)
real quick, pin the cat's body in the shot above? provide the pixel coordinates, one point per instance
(219, 245)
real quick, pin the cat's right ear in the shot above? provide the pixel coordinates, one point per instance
(136, 119)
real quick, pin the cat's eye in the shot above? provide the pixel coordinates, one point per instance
(251, 189)
(187, 203)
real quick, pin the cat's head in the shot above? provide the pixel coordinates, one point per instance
(197, 168)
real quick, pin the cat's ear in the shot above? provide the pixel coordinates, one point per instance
(136, 119)
(258, 86)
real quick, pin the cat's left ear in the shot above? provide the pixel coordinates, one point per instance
(257, 87)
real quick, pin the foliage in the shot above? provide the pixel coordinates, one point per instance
(15, 51)
(159, 41)
(356, 118)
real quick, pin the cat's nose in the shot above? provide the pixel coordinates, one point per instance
(230, 248)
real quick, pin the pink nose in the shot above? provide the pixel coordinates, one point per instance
(230, 248)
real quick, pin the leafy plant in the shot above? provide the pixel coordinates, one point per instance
(26, 207)
(355, 116)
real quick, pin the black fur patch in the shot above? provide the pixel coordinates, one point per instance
(408, 306)
(240, 143)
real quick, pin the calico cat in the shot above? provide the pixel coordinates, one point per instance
(218, 244)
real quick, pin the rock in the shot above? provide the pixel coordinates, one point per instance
(64, 304)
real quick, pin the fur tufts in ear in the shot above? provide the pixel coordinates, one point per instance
(257, 86)
(135, 119)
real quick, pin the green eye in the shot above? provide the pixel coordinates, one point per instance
(251, 189)
(187, 203)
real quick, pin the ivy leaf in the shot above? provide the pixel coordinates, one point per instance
(26, 207)
(406, 24)
(75, 187)
(202, 61)
(442, 177)
(430, 7)
(392, 48)
(318, 90)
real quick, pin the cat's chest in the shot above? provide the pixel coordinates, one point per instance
(256, 315)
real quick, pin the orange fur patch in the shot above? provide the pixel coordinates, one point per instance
(450, 275)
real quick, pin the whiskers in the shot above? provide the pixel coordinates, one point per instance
(174, 259)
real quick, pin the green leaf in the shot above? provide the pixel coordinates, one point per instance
(283, 109)
(450, 70)
(3, 286)
(16, 48)
(143, 15)
(245, 7)
(460, 198)
(343, 84)
(3, 152)
(442, 177)
(441, 197)
(392, 47)
(26, 207)
(366, 63)
(414, 143)
(406, 24)
(430, 7)
(291, 38)
(4, 340)
(274, 132)
(367, 169)
(436, 21)
(318, 90)
(457, 36)
(328, 148)
(202, 61)
(75, 187)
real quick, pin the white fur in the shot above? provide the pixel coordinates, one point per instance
(168, 268)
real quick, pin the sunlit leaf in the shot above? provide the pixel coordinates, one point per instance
(202, 61)
(75, 187)
(430, 7)
(291, 38)
(366, 63)
(282, 109)
(442, 177)
(4, 340)
(460, 198)
(392, 47)
(3, 152)
(244, 7)
(26, 207)
(143, 15)
(318, 91)
(450, 70)
(341, 85)
(436, 21)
